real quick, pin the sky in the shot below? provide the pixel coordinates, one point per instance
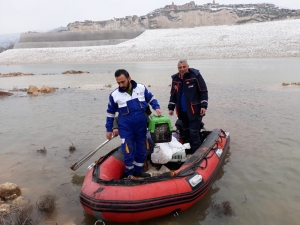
(18, 16)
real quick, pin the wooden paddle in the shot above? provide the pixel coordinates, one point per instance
(79, 163)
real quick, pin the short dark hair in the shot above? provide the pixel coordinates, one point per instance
(120, 72)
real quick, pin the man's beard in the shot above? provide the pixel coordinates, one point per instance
(127, 87)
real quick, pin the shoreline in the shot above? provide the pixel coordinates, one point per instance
(275, 39)
(158, 60)
(130, 61)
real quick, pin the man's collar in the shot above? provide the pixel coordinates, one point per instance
(181, 76)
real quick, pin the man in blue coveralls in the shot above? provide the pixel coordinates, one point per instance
(130, 100)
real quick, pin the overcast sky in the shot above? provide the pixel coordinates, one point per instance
(42, 15)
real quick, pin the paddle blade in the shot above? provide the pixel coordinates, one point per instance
(87, 157)
(73, 167)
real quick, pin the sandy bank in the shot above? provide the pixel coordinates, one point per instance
(259, 40)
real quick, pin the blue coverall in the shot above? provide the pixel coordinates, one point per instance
(132, 123)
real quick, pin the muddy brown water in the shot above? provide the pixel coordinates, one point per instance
(260, 175)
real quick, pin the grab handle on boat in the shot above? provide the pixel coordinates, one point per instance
(99, 221)
(176, 213)
(76, 165)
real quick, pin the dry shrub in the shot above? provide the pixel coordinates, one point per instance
(43, 151)
(46, 204)
(5, 220)
(23, 215)
(72, 149)
(18, 215)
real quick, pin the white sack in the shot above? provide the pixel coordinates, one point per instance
(163, 152)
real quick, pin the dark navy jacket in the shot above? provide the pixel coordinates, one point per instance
(195, 93)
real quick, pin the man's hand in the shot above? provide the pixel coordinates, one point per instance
(158, 112)
(202, 112)
(115, 132)
(171, 112)
(109, 135)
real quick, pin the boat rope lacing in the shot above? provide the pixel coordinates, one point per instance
(100, 221)
(204, 156)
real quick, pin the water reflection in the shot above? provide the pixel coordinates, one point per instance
(77, 180)
(222, 170)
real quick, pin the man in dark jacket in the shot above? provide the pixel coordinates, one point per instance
(190, 97)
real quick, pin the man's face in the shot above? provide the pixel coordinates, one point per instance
(123, 82)
(183, 68)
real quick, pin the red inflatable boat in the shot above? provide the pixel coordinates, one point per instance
(108, 197)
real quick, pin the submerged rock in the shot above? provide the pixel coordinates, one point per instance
(20, 201)
(12, 197)
(15, 74)
(295, 83)
(32, 89)
(9, 191)
(4, 93)
(69, 223)
(74, 72)
(47, 89)
(4, 209)
(35, 91)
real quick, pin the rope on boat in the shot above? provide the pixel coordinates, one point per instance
(99, 221)
(203, 155)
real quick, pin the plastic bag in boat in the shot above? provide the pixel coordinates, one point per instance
(162, 152)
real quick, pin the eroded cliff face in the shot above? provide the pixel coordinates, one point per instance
(193, 18)
(163, 20)
(190, 15)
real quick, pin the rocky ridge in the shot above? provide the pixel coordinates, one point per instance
(260, 40)
(191, 15)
